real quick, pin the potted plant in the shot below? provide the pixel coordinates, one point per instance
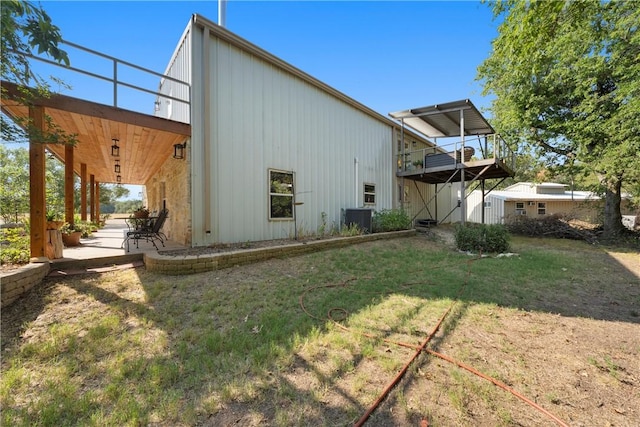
(141, 212)
(71, 234)
(54, 220)
(418, 164)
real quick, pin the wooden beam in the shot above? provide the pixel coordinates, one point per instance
(83, 191)
(93, 109)
(68, 183)
(92, 197)
(97, 219)
(37, 209)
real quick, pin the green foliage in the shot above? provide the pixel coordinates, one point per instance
(15, 246)
(14, 183)
(351, 230)
(85, 227)
(27, 29)
(482, 238)
(390, 220)
(566, 81)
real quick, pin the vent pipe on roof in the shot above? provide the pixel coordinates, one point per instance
(222, 13)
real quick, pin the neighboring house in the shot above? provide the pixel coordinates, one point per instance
(272, 148)
(534, 201)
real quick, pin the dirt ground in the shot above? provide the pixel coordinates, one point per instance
(577, 355)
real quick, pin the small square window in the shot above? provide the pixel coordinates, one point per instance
(369, 194)
(542, 208)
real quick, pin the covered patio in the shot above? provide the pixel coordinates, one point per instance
(104, 247)
(113, 145)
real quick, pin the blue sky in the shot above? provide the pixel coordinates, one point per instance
(388, 55)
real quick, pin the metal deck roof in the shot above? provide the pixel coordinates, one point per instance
(444, 120)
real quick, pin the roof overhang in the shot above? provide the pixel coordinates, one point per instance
(446, 120)
(145, 141)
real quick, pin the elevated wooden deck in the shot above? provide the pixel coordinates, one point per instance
(474, 169)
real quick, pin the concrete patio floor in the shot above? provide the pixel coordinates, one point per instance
(105, 247)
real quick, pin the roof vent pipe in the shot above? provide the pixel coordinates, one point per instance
(222, 13)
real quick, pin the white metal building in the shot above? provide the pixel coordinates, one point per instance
(273, 150)
(532, 200)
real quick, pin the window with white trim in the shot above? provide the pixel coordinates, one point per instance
(542, 208)
(280, 195)
(520, 208)
(369, 194)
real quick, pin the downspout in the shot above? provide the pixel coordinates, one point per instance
(355, 162)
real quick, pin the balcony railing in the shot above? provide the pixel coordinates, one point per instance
(120, 75)
(472, 149)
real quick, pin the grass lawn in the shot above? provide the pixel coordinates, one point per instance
(312, 340)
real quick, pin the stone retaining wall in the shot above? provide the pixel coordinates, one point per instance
(18, 282)
(189, 264)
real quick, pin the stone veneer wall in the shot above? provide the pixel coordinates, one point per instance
(188, 264)
(18, 282)
(174, 177)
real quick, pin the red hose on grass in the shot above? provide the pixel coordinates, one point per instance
(419, 349)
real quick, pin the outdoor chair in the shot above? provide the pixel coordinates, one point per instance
(150, 233)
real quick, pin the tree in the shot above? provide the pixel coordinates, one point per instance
(14, 183)
(566, 76)
(27, 28)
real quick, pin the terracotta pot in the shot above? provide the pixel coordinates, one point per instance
(72, 239)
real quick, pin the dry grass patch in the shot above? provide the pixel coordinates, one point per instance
(559, 323)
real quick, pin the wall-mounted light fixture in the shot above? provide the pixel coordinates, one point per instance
(116, 168)
(118, 179)
(115, 150)
(179, 150)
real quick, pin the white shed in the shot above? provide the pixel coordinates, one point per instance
(532, 200)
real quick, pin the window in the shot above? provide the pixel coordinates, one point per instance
(520, 208)
(369, 194)
(280, 195)
(542, 208)
(487, 204)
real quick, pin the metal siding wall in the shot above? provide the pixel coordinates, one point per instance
(270, 119)
(179, 68)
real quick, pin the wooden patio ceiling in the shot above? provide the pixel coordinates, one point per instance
(145, 141)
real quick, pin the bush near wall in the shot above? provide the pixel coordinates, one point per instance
(482, 237)
(390, 220)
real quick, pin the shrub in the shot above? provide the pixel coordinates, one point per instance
(482, 238)
(390, 220)
(15, 246)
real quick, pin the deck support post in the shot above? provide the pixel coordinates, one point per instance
(463, 210)
(92, 197)
(37, 196)
(83, 192)
(68, 183)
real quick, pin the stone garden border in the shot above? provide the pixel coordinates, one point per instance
(190, 264)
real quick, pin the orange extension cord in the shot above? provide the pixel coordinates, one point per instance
(419, 349)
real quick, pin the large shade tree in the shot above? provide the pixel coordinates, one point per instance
(566, 81)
